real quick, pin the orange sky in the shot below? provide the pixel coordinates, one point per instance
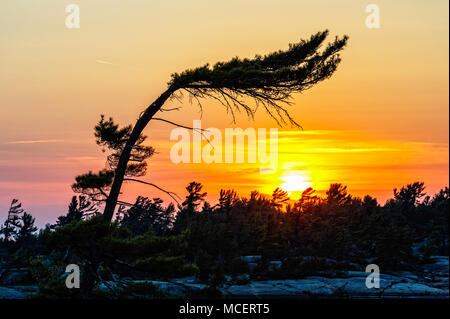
(380, 122)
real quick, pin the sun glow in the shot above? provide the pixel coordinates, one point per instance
(295, 182)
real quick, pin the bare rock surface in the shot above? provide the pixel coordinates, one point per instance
(16, 292)
(349, 287)
(429, 281)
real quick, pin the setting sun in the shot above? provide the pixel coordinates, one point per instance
(295, 182)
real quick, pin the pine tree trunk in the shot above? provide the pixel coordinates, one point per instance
(125, 155)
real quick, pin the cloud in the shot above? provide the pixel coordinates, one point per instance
(83, 158)
(33, 141)
(104, 62)
(337, 150)
(312, 132)
(345, 150)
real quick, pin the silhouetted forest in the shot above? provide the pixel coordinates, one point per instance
(321, 235)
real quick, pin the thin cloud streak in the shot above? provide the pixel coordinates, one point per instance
(104, 62)
(34, 141)
(346, 150)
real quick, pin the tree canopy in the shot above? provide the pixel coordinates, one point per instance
(270, 79)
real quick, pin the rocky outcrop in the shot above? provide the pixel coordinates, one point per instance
(15, 276)
(352, 284)
(348, 287)
(430, 281)
(10, 293)
(16, 292)
(436, 272)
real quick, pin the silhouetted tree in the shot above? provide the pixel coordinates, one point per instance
(9, 228)
(307, 199)
(94, 185)
(279, 197)
(227, 199)
(337, 194)
(195, 197)
(402, 208)
(269, 80)
(80, 207)
(26, 229)
(410, 195)
(189, 206)
(148, 214)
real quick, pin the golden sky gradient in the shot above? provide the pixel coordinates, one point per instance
(380, 122)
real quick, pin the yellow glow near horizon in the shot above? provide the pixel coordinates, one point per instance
(295, 181)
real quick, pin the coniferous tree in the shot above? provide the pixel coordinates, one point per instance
(26, 229)
(113, 140)
(79, 208)
(279, 197)
(147, 214)
(11, 224)
(189, 207)
(269, 80)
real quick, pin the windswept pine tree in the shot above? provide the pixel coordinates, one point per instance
(26, 229)
(269, 80)
(12, 222)
(79, 208)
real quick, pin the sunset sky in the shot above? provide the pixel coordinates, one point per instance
(380, 122)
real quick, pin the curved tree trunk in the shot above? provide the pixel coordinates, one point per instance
(125, 156)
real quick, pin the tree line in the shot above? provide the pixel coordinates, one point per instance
(313, 235)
